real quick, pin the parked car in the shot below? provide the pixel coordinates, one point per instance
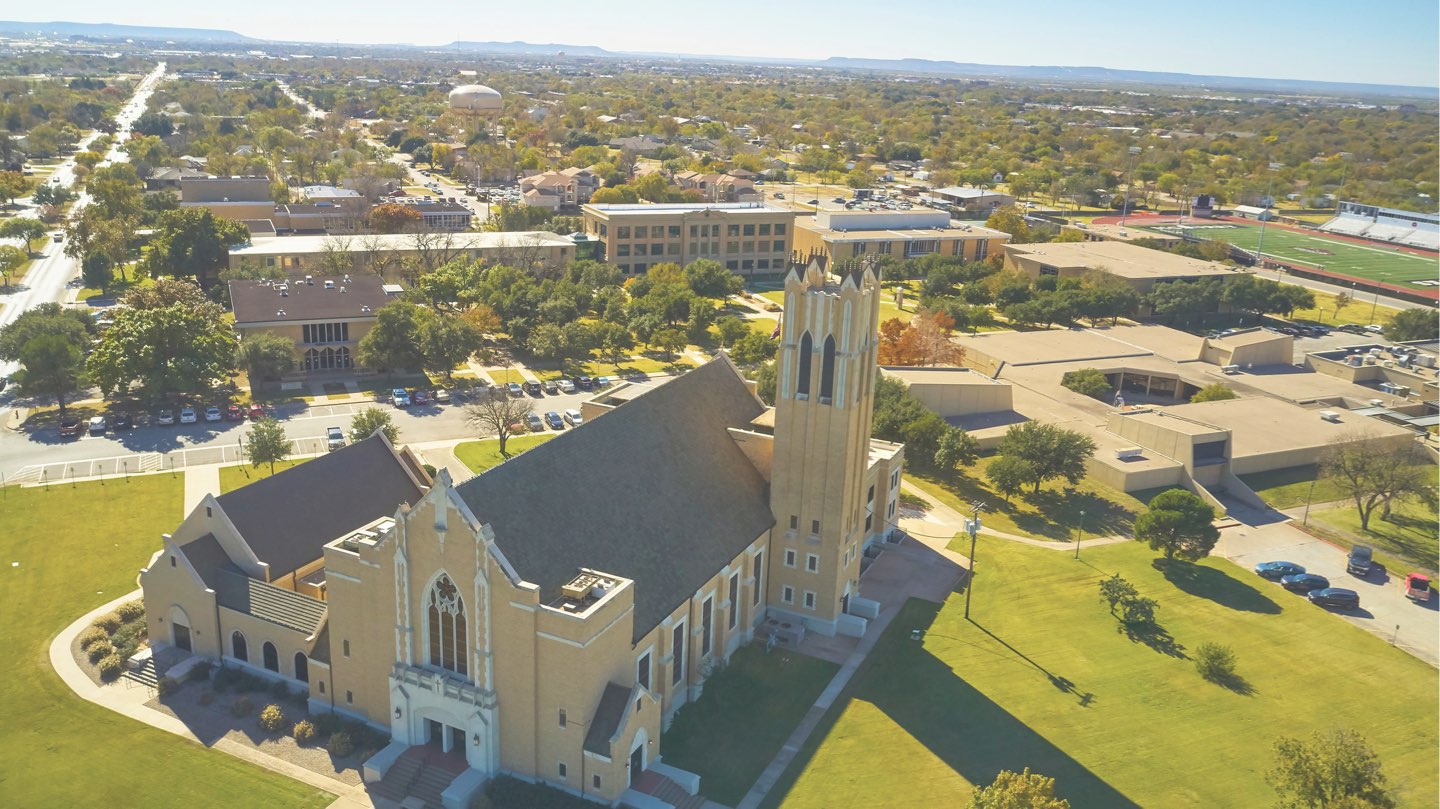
(1375, 329)
(1360, 561)
(567, 386)
(554, 421)
(400, 397)
(603, 381)
(1304, 582)
(550, 387)
(1351, 328)
(188, 416)
(440, 396)
(514, 389)
(97, 425)
(166, 417)
(334, 438)
(420, 397)
(812, 202)
(70, 427)
(779, 195)
(234, 413)
(257, 411)
(1276, 571)
(121, 421)
(573, 418)
(838, 200)
(532, 388)
(1417, 587)
(533, 423)
(212, 413)
(585, 383)
(1335, 597)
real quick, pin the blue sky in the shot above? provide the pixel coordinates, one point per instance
(1386, 42)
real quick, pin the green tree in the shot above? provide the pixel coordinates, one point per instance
(1025, 790)
(1010, 219)
(765, 383)
(193, 242)
(1372, 474)
(669, 341)
(1115, 591)
(265, 355)
(11, 259)
(1087, 382)
(267, 443)
(97, 272)
(1413, 324)
(957, 448)
(446, 341)
(167, 338)
(13, 185)
(730, 329)
(367, 421)
(1216, 392)
(614, 341)
(1051, 452)
(547, 342)
(1009, 475)
(24, 228)
(50, 366)
(1180, 524)
(392, 344)
(1335, 768)
(710, 279)
(753, 349)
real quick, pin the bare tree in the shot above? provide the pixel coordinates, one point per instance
(1372, 473)
(335, 255)
(374, 254)
(501, 414)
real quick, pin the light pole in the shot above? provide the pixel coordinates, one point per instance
(1129, 180)
(1308, 498)
(1080, 535)
(973, 526)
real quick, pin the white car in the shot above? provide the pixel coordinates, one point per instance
(98, 425)
(1375, 329)
(187, 416)
(212, 413)
(567, 386)
(573, 418)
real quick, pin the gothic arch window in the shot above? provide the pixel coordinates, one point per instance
(271, 659)
(802, 380)
(302, 667)
(827, 371)
(238, 648)
(445, 614)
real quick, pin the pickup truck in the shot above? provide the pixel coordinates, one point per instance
(334, 438)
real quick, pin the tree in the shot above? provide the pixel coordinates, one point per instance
(50, 365)
(267, 443)
(730, 329)
(1051, 451)
(24, 228)
(502, 416)
(669, 341)
(1342, 300)
(446, 341)
(614, 341)
(1413, 324)
(765, 383)
(11, 259)
(710, 279)
(1372, 473)
(617, 194)
(13, 185)
(1087, 382)
(265, 355)
(167, 338)
(392, 344)
(1178, 523)
(367, 421)
(193, 242)
(391, 217)
(1025, 790)
(1011, 220)
(1217, 392)
(753, 349)
(1115, 591)
(1009, 475)
(1335, 768)
(957, 448)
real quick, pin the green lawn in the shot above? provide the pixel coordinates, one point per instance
(1042, 678)
(1361, 311)
(1403, 543)
(233, 477)
(1054, 513)
(1288, 488)
(731, 733)
(67, 551)
(483, 454)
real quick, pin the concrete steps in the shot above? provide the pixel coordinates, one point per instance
(144, 674)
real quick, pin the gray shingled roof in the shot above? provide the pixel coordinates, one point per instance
(269, 603)
(263, 301)
(607, 719)
(208, 558)
(287, 518)
(656, 491)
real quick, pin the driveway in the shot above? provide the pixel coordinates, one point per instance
(1384, 609)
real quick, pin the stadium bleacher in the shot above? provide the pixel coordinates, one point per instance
(1389, 225)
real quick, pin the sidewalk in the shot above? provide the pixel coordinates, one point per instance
(200, 481)
(940, 520)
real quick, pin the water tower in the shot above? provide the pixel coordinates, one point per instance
(476, 103)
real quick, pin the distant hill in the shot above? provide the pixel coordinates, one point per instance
(89, 30)
(529, 48)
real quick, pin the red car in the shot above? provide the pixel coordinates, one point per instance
(257, 411)
(1417, 587)
(234, 413)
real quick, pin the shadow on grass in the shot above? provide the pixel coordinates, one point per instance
(1155, 636)
(957, 723)
(1234, 682)
(1216, 585)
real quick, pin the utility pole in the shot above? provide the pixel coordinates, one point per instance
(1080, 535)
(973, 526)
(1129, 180)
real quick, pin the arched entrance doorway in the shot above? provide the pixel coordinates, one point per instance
(180, 628)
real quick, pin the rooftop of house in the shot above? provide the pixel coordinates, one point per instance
(307, 299)
(1118, 258)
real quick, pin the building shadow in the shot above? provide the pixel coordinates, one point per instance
(1216, 585)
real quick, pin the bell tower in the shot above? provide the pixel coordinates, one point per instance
(824, 397)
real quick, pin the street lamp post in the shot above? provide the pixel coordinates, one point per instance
(1309, 497)
(1129, 180)
(1081, 535)
(973, 526)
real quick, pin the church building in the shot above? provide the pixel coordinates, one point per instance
(546, 618)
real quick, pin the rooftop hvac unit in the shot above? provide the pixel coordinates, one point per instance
(1230, 369)
(580, 587)
(1377, 402)
(1129, 453)
(1330, 415)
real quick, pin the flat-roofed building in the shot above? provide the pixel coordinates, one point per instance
(1140, 267)
(748, 238)
(1120, 233)
(841, 235)
(231, 197)
(529, 250)
(324, 316)
(973, 199)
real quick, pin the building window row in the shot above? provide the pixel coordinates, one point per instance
(312, 333)
(325, 359)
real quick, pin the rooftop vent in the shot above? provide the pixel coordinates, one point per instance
(1330, 415)
(329, 284)
(309, 280)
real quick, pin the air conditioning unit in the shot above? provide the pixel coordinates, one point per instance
(1330, 415)
(580, 587)
(1230, 369)
(1129, 453)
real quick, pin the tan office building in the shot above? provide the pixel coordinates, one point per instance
(324, 316)
(843, 235)
(489, 632)
(531, 250)
(1140, 267)
(748, 238)
(237, 198)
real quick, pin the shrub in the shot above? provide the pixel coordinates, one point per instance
(167, 686)
(304, 731)
(110, 667)
(279, 690)
(242, 706)
(131, 610)
(109, 622)
(328, 723)
(92, 636)
(340, 744)
(129, 638)
(201, 670)
(1087, 382)
(99, 650)
(272, 718)
(1215, 662)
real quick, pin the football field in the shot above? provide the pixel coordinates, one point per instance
(1375, 262)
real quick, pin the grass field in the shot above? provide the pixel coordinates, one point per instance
(1316, 251)
(481, 455)
(1042, 678)
(67, 551)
